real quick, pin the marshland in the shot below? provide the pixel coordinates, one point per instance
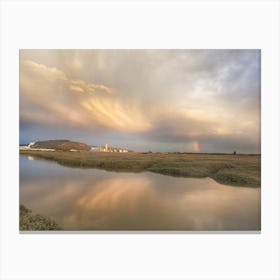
(231, 169)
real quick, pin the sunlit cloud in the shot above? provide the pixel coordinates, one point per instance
(76, 89)
(168, 99)
(49, 73)
(55, 95)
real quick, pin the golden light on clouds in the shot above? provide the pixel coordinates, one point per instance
(97, 104)
(49, 73)
(168, 99)
(76, 89)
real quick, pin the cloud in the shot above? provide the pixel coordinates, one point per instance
(53, 99)
(82, 87)
(49, 73)
(166, 99)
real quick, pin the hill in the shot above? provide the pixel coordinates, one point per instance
(61, 145)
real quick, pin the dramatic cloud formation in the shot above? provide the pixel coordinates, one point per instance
(161, 100)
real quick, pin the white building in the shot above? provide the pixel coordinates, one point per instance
(31, 144)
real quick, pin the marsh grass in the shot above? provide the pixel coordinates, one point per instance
(30, 221)
(240, 170)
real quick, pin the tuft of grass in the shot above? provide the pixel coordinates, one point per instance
(241, 170)
(29, 221)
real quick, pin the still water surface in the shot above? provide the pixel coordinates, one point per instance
(91, 199)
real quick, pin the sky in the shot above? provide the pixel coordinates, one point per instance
(143, 100)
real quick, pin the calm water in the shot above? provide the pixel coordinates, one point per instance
(91, 199)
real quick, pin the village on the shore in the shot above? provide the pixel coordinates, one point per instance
(106, 148)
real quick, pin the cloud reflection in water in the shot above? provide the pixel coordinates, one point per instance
(88, 199)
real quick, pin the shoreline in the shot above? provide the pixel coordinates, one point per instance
(235, 170)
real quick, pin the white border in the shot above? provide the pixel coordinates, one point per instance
(157, 24)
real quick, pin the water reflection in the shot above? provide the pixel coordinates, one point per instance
(89, 199)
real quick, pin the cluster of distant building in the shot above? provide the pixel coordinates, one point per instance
(108, 149)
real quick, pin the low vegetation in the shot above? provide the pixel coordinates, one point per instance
(231, 169)
(61, 145)
(29, 221)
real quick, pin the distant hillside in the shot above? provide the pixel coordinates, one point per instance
(61, 145)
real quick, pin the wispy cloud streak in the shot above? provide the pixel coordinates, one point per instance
(186, 100)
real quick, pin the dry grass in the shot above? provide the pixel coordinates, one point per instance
(240, 170)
